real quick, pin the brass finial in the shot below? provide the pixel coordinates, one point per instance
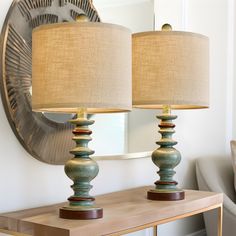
(166, 27)
(82, 18)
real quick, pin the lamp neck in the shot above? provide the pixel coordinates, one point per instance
(82, 113)
(166, 109)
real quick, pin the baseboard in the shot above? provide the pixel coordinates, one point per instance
(149, 232)
(198, 233)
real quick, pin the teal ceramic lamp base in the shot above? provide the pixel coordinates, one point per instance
(166, 157)
(81, 170)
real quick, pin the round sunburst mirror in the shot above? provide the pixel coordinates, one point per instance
(46, 139)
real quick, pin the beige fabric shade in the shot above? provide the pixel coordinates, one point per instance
(81, 65)
(170, 68)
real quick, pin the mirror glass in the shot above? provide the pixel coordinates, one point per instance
(58, 118)
(115, 134)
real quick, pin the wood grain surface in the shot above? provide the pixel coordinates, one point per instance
(124, 211)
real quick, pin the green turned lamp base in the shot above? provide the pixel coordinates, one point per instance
(165, 195)
(81, 213)
(81, 170)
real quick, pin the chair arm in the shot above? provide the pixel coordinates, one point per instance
(216, 174)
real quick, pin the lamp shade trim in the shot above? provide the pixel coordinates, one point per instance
(174, 107)
(90, 108)
(80, 24)
(170, 33)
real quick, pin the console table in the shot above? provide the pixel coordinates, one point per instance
(124, 212)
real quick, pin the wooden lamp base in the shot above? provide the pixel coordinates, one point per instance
(81, 214)
(156, 195)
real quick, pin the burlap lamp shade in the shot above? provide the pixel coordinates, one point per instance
(170, 68)
(84, 65)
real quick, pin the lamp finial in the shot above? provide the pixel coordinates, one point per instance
(166, 27)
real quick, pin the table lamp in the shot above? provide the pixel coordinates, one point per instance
(170, 71)
(82, 68)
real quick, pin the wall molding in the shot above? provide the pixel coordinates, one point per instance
(185, 14)
(198, 233)
(127, 156)
(231, 20)
(149, 232)
(230, 105)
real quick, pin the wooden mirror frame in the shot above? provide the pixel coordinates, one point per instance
(45, 140)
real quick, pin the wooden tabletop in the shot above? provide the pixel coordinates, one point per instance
(123, 211)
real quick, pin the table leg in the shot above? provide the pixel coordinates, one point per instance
(155, 230)
(220, 220)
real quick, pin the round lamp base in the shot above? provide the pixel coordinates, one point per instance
(156, 195)
(81, 214)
